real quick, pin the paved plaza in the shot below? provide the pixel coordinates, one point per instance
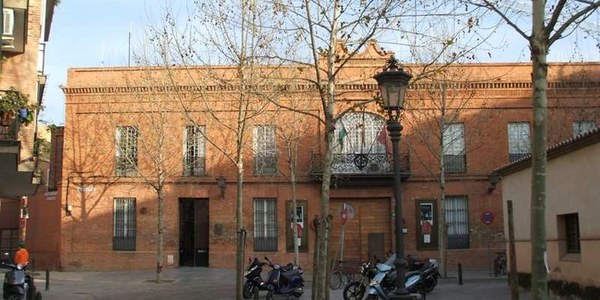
(209, 283)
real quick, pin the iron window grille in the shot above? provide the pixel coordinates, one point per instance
(457, 219)
(361, 134)
(9, 239)
(582, 127)
(455, 159)
(265, 224)
(519, 140)
(572, 233)
(127, 151)
(124, 224)
(265, 150)
(194, 157)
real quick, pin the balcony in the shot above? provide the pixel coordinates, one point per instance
(360, 170)
(9, 130)
(13, 183)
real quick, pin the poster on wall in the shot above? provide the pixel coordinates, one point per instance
(426, 221)
(298, 222)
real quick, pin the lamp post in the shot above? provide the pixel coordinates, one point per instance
(392, 85)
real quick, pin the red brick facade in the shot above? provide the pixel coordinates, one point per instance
(100, 99)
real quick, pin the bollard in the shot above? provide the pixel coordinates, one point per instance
(47, 279)
(460, 281)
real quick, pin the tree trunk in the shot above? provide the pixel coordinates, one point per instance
(159, 233)
(294, 225)
(539, 47)
(240, 251)
(442, 227)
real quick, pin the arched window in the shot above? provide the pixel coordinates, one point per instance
(361, 144)
(360, 133)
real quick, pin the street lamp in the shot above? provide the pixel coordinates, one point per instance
(392, 85)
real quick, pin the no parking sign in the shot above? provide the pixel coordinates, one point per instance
(487, 218)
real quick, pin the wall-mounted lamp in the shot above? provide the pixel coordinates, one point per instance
(24, 212)
(68, 209)
(494, 179)
(221, 184)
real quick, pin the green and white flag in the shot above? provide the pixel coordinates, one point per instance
(341, 136)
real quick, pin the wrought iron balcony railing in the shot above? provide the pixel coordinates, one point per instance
(9, 131)
(363, 164)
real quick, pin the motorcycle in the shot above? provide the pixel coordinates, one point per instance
(355, 290)
(429, 268)
(384, 283)
(254, 281)
(431, 273)
(286, 280)
(18, 284)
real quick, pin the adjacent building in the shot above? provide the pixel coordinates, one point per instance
(25, 31)
(126, 126)
(571, 211)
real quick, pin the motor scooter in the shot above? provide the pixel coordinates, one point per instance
(254, 281)
(286, 280)
(18, 284)
(384, 283)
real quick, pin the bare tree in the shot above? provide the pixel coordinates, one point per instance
(294, 135)
(447, 101)
(230, 41)
(550, 21)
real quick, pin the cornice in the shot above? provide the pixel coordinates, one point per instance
(492, 88)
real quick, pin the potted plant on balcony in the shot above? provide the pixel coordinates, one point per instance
(14, 104)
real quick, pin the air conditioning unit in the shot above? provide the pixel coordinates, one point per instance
(8, 15)
(14, 29)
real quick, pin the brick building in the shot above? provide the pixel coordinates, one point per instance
(121, 121)
(25, 30)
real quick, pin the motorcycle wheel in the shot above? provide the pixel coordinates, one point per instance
(354, 291)
(249, 290)
(430, 283)
(336, 280)
(421, 290)
(270, 295)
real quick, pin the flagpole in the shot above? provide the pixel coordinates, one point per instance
(129, 47)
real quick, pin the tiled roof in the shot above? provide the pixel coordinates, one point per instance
(564, 147)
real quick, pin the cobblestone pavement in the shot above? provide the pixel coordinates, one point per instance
(213, 284)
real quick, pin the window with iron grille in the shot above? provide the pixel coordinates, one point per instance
(127, 151)
(457, 220)
(265, 150)
(582, 127)
(124, 224)
(265, 224)
(519, 140)
(572, 233)
(194, 147)
(9, 239)
(360, 133)
(454, 148)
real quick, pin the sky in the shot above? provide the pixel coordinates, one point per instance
(89, 33)
(95, 33)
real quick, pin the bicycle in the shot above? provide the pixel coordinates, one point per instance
(340, 275)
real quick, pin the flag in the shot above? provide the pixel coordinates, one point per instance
(341, 136)
(382, 138)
